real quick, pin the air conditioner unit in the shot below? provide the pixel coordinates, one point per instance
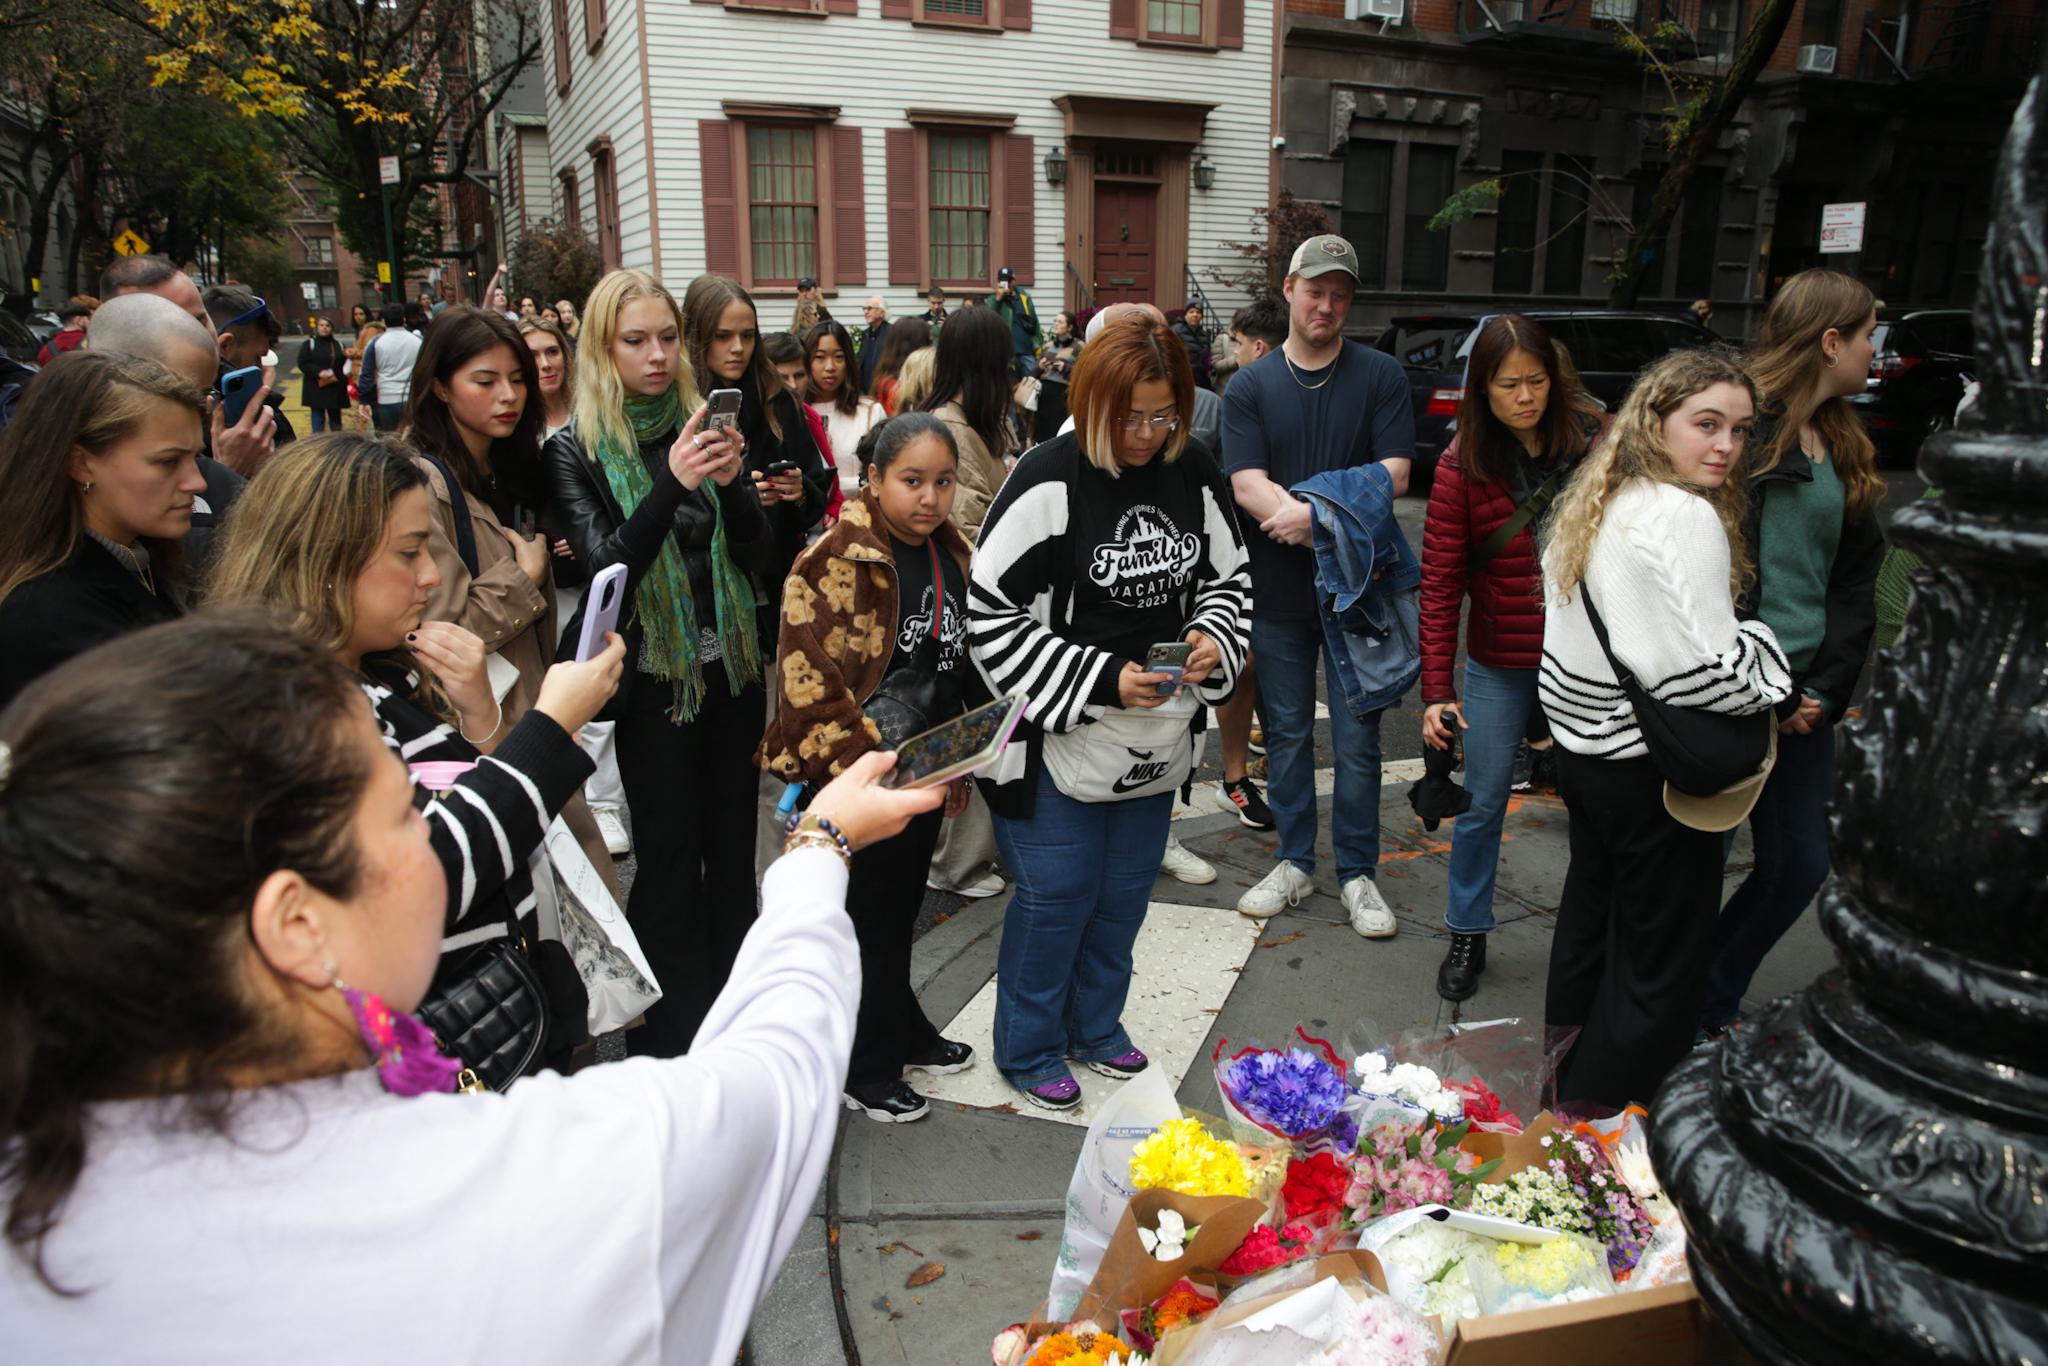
(1387, 11)
(1817, 59)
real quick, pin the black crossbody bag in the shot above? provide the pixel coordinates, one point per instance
(1699, 752)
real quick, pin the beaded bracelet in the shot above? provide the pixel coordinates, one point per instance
(809, 830)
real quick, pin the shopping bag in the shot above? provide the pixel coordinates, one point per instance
(1101, 1185)
(577, 909)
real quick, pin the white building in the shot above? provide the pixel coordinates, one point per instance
(1104, 149)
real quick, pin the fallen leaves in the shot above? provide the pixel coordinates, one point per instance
(891, 1249)
(1030, 1236)
(1283, 939)
(925, 1275)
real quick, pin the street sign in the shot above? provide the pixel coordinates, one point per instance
(383, 272)
(387, 170)
(129, 244)
(1841, 228)
(312, 292)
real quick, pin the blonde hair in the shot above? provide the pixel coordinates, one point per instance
(1633, 448)
(1128, 352)
(914, 380)
(600, 395)
(1786, 366)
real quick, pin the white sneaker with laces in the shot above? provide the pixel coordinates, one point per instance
(1276, 891)
(1370, 914)
(616, 840)
(1183, 865)
(990, 884)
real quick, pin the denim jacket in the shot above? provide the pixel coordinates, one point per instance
(1368, 585)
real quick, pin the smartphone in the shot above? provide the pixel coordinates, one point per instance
(780, 467)
(1168, 657)
(601, 609)
(523, 520)
(725, 410)
(962, 745)
(237, 388)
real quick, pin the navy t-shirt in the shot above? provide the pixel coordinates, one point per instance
(1293, 423)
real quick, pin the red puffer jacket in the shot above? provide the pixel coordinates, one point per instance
(1506, 627)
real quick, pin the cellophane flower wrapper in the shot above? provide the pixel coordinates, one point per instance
(1183, 1155)
(1084, 1342)
(1514, 1276)
(1403, 1168)
(1425, 1266)
(1295, 1093)
(1184, 1303)
(1496, 1065)
(1223, 1340)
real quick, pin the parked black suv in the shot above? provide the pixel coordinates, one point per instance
(1916, 378)
(17, 341)
(1609, 346)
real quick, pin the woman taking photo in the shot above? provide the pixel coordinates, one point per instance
(323, 389)
(971, 394)
(1113, 538)
(637, 482)
(831, 390)
(97, 472)
(336, 538)
(846, 690)
(792, 477)
(1649, 535)
(904, 336)
(473, 421)
(1813, 499)
(1521, 427)
(203, 1134)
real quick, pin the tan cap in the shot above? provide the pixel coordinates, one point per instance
(1321, 255)
(1724, 810)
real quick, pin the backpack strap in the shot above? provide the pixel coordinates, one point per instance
(1525, 512)
(465, 529)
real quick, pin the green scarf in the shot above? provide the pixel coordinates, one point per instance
(668, 607)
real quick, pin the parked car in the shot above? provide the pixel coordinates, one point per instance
(16, 340)
(44, 324)
(1609, 346)
(1924, 358)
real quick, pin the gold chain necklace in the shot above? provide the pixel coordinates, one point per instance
(1311, 388)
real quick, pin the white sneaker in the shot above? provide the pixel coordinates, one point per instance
(616, 840)
(1277, 890)
(989, 885)
(1183, 865)
(1370, 914)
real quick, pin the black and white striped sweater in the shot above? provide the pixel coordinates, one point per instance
(1058, 519)
(486, 826)
(1659, 574)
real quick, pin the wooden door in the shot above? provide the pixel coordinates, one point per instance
(1125, 242)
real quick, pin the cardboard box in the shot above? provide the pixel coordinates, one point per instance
(1661, 1327)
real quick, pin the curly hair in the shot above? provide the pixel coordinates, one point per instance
(1634, 448)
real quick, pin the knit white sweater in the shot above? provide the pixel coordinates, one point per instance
(1659, 575)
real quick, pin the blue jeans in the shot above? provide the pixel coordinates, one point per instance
(1287, 649)
(1789, 827)
(325, 418)
(1084, 873)
(386, 416)
(1497, 707)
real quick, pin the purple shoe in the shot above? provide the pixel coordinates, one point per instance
(1061, 1093)
(1124, 1066)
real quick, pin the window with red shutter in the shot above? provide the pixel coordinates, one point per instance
(906, 264)
(605, 186)
(560, 13)
(572, 198)
(1230, 23)
(721, 197)
(1123, 18)
(594, 23)
(1020, 189)
(849, 209)
(782, 202)
(958, 206)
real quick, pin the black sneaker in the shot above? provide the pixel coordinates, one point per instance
(1543, 768)
(943, 1059)
(889, 1102)
(1524, 765)
(1252, 811)
(1458, 977)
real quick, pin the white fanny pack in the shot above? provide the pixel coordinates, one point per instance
(1125, 752)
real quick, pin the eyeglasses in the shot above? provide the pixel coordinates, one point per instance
(251, 316)
(1158, 424)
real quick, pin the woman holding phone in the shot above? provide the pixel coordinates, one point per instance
(873, 651)
(1104, 543)
(640, 481)
(218, 901)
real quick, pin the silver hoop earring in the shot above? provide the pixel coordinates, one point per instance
(1832, 361)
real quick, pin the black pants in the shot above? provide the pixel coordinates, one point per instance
(883, 897)
(694, 793)
(1634, 940)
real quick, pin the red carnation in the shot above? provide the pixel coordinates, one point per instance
(1314, 1185)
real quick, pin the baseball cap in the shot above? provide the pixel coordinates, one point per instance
(807, 282)
(1007, 275)
(1321, 255)
(1724, 810)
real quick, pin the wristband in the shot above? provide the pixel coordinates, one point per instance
(817, 839)
(808, 828)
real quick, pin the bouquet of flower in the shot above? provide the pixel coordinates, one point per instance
(1182, 1156)
(1400, 1168)
(1517, 1276)
(1169, 1240)
(1411, 1091)
(1485, 1109)
(1293, 1092)
(1083, 1343)
(1264, 1248)
(1426, 1261)
(1378, 1330)
(1575, 1191)
(1184, 1303)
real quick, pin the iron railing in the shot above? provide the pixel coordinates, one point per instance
(1980, 41)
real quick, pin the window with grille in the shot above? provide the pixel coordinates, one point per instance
(1174, 19)
(1368, 199)
(959, 207)
(956, 9)
(330, 297)
(320, 251)
(782, 203)
(1514, 230)
(1426, 255)
(1564, 254)
(1720, 23)
(1124, 162)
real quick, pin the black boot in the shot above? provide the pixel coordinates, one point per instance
(1458, 978)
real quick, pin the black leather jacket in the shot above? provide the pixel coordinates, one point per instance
(788, 523)
(601, 535)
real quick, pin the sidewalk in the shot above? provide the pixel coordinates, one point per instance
(981, 1191)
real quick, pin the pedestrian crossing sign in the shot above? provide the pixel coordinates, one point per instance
(130, 244)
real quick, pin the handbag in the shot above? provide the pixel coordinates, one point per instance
(1700, 753)
(491, 1012)
(1026, 393)
(1126, 752)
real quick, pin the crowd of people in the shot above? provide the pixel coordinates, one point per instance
(311, 785)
